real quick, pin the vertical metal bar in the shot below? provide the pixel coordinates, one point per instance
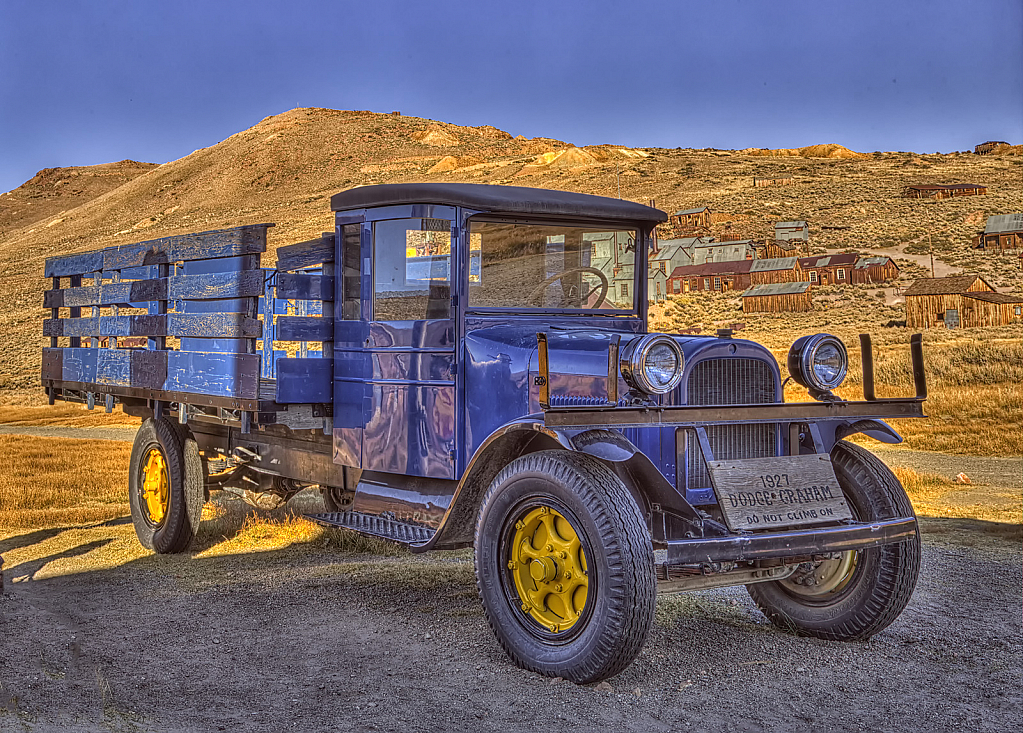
(55, 315)
(867, 360)
(267, 370)
(115, 277)
(704, 441)
(612, 369)
(109, 402)
(97, 280)
(76, 312)
(793, 439)
(543, 372)
(916, 349)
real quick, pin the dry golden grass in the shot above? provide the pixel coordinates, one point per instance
(63, 414)
(935, 496)
(47, 482)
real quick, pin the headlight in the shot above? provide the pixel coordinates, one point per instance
(818, 362)
(654, 364)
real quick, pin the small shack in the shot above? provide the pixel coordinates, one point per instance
(763, 182)
(792, 230)
(989, 146)
(952, 302)
(942, 190)
(828, 270)
(1003, 231)
(777, 298)
(877, 269)
(776, 270)
(672, 253)
(775, 248)
(692, 219)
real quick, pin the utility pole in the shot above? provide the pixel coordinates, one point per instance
(618, 178)
(930, 250)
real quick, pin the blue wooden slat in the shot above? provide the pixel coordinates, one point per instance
(305, 287)
(114, 367)
(216, 285)
(227, 345)
(70, 327)
(53, 363)
(306, 254)
(227, 375)
(71, 297)
(79, 364)
(203, 245)
(304, 380)
(76, 264)
(304, 328)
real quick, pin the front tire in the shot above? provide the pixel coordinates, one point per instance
(564, 566)
(853, 597)
(166, 486)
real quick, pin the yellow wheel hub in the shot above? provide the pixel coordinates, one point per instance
(155, 485)
(548, 566)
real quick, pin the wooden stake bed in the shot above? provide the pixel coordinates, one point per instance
(192, 320)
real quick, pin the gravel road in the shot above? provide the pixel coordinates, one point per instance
(307, 639)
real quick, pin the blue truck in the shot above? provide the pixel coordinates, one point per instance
(461, 365)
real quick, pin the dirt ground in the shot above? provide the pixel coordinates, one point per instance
(97, 635)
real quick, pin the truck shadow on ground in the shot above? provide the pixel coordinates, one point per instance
(311, 633)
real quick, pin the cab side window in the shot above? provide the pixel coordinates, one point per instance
(411, 269)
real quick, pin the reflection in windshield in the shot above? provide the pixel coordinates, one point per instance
(544, 266)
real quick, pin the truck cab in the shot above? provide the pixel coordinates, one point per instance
(486, 379)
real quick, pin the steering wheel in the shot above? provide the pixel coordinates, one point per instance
(538, 291)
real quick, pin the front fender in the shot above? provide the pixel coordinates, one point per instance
(528, 435)
(877, 429)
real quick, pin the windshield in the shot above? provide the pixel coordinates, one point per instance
(550, 266)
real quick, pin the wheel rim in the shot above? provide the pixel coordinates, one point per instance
(155, 486)
(548, 568)
(820, 581)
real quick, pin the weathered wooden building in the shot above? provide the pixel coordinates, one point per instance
(942, 190)
(672, 253)
(763, 182)
(942, 301)
(711, 276)
(828, 269)
(791, 230)
(692, 219)
(990, 145)
(774, 248)
(776, 270)
(777, 298)
(877, 269)
(991, 309)
(1003, 231)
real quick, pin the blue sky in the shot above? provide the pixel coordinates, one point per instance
(92, 82)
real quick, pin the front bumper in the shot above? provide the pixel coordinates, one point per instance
(793, 543)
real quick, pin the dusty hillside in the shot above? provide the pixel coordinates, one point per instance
(54, 191)
(285, 169)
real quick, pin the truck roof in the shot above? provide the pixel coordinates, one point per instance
(497, 200)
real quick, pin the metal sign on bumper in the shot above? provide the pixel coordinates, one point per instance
(787, 491)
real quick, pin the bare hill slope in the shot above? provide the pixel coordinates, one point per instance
(285, 168)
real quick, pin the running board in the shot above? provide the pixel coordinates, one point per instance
(375, 526)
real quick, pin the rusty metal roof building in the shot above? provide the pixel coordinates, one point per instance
(777, 263)
(954, 285)
(776, 289)
(730, 267)
(1004, 223)
(827, 261)
(865, 262)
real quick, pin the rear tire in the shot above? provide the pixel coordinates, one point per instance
(853, 598)
(165, 509)
(564, 566)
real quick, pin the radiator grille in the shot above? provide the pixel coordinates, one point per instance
(728, 382)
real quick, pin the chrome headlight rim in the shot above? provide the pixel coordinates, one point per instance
(633, 367)
(801, 361)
